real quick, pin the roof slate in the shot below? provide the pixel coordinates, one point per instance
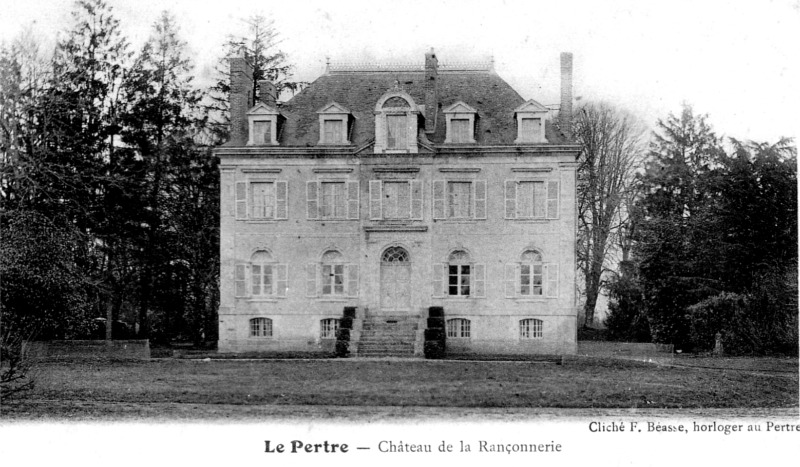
(493, 98)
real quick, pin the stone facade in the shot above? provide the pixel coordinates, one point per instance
(393, 190)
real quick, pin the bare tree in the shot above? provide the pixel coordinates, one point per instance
(613, 144)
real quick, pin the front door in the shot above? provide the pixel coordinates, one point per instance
(395, 280)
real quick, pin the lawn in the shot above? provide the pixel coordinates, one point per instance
(110, 388)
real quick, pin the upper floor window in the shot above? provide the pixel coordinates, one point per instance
(332, 277)
(460, 119)
(395, 199)
(531, 199)
(264, 123)
(459, 277)
(260, 327)
(261, 199)
(530, 118)
(266, 277)
(530, 329)
(459, 199)
(531, 277)
(332, 199)
(334, 122)
(396, 122)
(458, 328)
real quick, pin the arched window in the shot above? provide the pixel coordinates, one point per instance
(531, 274)
(328, 328)
(262, 273)
(260, 327)
(395, 254)
(396, 122)
(530, 329)
(261, 277)
(458, 328)
(332, 277)
(458, 274)
(333, 273)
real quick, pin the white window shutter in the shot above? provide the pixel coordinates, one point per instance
(416, 200)
(480, 280)
(241, 200)
(282, 278)
(438, 279)
(312, 199)
(552, 279)
(439, 196)
(552, 199)
(239, 280)
(511, 280)
(375, 200)
(311, 279)
(480, 198)
(281, 198)
(511, 199)
(352, 280)
(352, 200)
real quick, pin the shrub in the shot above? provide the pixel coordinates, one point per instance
(436, 312)
(626, 320)
(434, 349)
(346, 323)
(435, 323)
(350, 312)
(434, 335)
(342, 348)
(343, 335)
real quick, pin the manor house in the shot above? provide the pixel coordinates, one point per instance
(392, 189)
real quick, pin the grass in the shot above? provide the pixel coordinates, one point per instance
(109, 388)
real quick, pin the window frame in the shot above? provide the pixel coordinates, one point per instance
(458, 328)
(243, 199)
(443, 196)
(531, 329)
(315, 277)
(328, 328)
(552, 199)
(261, 328)
(377, 198)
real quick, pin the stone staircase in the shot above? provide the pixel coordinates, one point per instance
(388, 336)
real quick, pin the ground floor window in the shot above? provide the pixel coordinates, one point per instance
(328, 328)
(458, 327)
(260, 327)
(530, 329)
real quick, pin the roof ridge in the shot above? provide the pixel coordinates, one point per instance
(366, 66)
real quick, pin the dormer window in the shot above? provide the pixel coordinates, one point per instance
(264, 122)
(334, 124)
(396, 122)
(530, 118)
(460, 123)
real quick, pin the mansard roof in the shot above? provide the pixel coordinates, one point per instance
(493, 99)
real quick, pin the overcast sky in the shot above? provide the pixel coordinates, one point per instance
(736, 61)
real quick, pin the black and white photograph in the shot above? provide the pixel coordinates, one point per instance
(381, 232)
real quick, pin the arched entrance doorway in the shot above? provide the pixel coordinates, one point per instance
(395, 279)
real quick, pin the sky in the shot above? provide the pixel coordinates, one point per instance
(737, 61)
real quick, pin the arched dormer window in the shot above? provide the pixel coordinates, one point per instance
(396, 122)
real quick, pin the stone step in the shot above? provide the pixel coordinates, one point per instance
(392, 353)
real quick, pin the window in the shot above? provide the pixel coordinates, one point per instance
(267, 278)
(261, 200)
(458, 328)
(332, 273)
(458, 274)
(332, 277)
(530, 329)
(459, 199)
(461, 130)
(531, 277)
(328, 328)
(260, 327)
(396, 131)
(531, 199)
(333, 131)
(262, 132)
(395, 199)
(459, 277)
(530, 129)
(332, 199)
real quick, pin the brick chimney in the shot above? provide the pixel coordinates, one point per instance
(267, 93)
(241, 98)
(565, 112)
(431, 91)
